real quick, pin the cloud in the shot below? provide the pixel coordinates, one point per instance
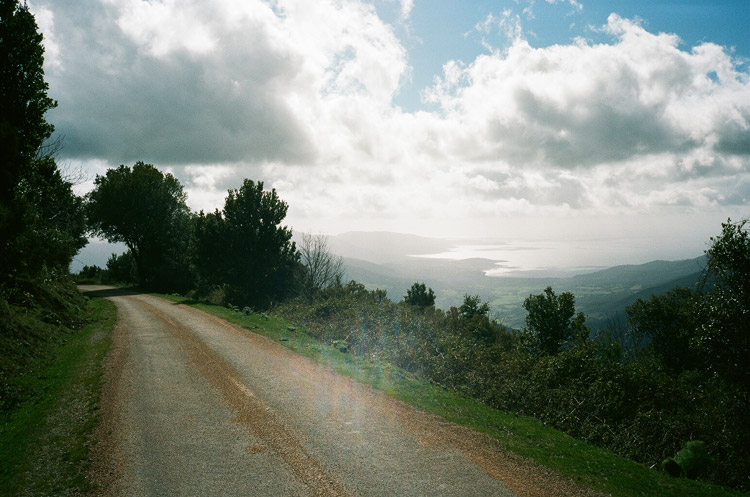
(406, 8)
(45, 19)
(183, 82)
(573, 3)
(581, 104)
(300, 94)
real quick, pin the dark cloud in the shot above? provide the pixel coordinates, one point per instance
(546, 133)
(120, 102)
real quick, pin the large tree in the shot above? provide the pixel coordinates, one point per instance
(246, 248)
(23, 128)
(23, 93)
(145, 209)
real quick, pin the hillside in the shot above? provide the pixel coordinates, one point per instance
(602, 295)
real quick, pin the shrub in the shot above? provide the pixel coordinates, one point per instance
(694, 459)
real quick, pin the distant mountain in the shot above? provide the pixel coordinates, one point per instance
(626, 284)
(645, 275)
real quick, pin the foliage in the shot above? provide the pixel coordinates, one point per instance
(146, 210)
(668, 322)
(551, 321)
(244, 247)
(645, 404)
(471, 320)
(89, 275)
(474, 307)
(50, 411)
(53, 218)
(41, 220)
(419, 296)
(670, 467)
(723, 334)
(121, 269)
(694, 459)
(208, 249)
(34, 316)
(23, 94)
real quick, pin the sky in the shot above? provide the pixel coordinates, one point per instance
(528, 119)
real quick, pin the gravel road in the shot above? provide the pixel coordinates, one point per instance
(195, 406)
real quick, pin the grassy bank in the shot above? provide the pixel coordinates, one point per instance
(46, 424)
(590, 466)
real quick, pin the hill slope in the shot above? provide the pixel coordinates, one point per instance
(602, 295)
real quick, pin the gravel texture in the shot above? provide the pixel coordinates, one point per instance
(196, 406)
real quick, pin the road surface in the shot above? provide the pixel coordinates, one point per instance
(195, 406)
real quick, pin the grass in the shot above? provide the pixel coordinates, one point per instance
(44, 439)
(583, 463)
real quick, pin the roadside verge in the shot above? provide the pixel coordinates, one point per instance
(45, 440)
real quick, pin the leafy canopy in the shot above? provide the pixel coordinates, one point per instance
(420, 296)
(145, 209)
(23, 93)
(245, 247)
(723, 334)
(552, 321)
(41, 220)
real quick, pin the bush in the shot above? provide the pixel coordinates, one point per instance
(638, 407)
(694, 459)
(121, 269)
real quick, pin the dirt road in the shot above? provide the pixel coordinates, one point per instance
(194, 406)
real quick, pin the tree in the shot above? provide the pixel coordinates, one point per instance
(321, 268)
(53, 217)
(209, 250)
(669, 323)
(551, 321)
(23, 93)
(23, 128)
(723, 334)
(246, 246)
(121, 269)
(473, 307)
(419, 296)
(472, 319)
(146, 210)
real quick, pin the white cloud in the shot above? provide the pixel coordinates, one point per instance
(581, 105)
(406, 8)
(45, 19)
(300, 94)
(573, 3)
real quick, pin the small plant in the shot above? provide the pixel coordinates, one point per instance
(247, 311)
(694, 459)
(341, 345)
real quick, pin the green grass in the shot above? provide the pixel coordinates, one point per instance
(44, 439)
(583, 463)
